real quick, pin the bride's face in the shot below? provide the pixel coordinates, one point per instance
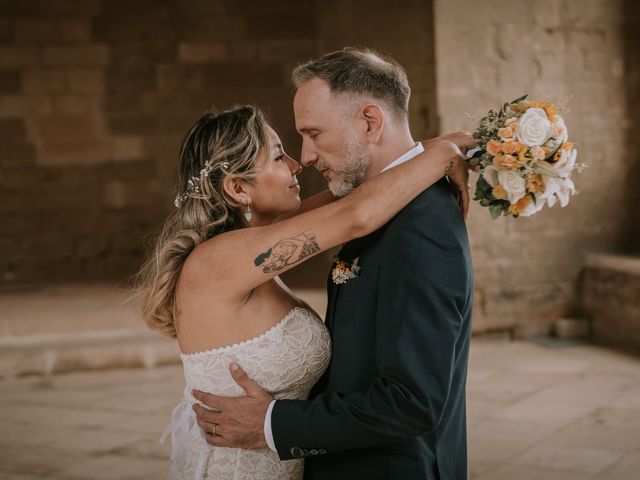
(275, 191)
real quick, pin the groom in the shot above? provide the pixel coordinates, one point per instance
(391, 404)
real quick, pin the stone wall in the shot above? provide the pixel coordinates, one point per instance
(527, 269)
(96, 95)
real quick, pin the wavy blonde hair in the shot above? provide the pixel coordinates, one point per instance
(231, 141)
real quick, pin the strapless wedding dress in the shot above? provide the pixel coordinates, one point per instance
(286, 360)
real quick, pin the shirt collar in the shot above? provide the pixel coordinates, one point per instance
(414, 152)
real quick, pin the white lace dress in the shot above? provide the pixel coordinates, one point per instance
(286, 360)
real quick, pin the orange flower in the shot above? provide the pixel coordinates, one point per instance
(534, 183)
(494, 147)
(519, 207)
(499, 192)
(504, 162)
(522, 152)
(511, 147)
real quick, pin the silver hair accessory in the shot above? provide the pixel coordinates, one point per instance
(248, 214)
(193, 184)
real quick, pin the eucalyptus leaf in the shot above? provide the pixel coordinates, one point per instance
(519, 99)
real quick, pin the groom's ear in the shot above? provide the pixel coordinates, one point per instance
(236, 189)
(373, 116)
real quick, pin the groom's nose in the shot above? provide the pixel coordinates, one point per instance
(308, 156)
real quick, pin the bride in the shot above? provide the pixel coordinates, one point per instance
(212, 279)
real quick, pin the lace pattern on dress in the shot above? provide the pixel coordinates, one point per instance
(286, 360)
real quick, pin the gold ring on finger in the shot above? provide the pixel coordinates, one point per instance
(213, 429)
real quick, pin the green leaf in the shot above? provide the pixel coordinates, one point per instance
(495, 211)
(519, 99)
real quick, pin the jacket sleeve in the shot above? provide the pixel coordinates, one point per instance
(423, 287)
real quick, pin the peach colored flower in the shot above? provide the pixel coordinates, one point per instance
(511, 147)
(539, 153)
(494, 147)
(506, 134)
(504, 162)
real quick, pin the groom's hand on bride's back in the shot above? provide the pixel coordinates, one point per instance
(234, 422)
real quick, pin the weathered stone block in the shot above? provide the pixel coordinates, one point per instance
(48, 31)
(89, 55)
(202, 52)
(18, 57)
(71, 8)
(25, 106)
(10, 82)
(77, 105)
(85, 80)
(128, 147)
(43, 80)
(611, 297)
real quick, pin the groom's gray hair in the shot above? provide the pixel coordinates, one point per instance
(360, 71)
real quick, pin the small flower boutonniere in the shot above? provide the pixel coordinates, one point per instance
(344, 271)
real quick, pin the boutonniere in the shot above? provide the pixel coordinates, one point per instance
(343, 271)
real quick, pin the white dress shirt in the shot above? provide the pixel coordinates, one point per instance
(268, 434)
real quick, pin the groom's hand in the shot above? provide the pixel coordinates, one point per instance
(237, 422)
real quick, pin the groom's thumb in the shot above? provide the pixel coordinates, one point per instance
(250, 387)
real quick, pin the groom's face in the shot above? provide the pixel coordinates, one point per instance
(332, 142)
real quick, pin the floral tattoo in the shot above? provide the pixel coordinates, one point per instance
(287, 252)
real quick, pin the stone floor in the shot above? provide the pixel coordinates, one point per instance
(535, 412)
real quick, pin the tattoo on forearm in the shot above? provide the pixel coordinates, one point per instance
(449, 169)
(287, 252)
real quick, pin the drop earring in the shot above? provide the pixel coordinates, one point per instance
(248, 215)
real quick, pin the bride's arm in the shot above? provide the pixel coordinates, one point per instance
(248, 257)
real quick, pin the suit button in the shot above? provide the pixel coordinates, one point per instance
(296, 452)
(322, 451)
(314, 451)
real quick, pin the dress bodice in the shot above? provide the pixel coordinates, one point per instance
(286, 360)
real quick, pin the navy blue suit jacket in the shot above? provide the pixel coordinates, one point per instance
(391, 404)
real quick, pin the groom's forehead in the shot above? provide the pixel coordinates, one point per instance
(313, 102)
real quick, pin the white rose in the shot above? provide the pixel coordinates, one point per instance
(490, 174)
(513, 184)
(534, 128)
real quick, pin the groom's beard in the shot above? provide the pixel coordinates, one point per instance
(353, 171)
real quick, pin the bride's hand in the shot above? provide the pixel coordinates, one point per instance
(457, 170)
(463, 140)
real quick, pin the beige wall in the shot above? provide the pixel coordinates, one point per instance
(96, 95)
(491, 52)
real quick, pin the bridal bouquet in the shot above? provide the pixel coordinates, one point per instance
(524, 159)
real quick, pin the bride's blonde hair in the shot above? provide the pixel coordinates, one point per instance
(217, 145)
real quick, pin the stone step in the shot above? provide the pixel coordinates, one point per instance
(611, 298)
(54, 329)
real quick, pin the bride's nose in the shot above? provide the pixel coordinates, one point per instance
(294, 166)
